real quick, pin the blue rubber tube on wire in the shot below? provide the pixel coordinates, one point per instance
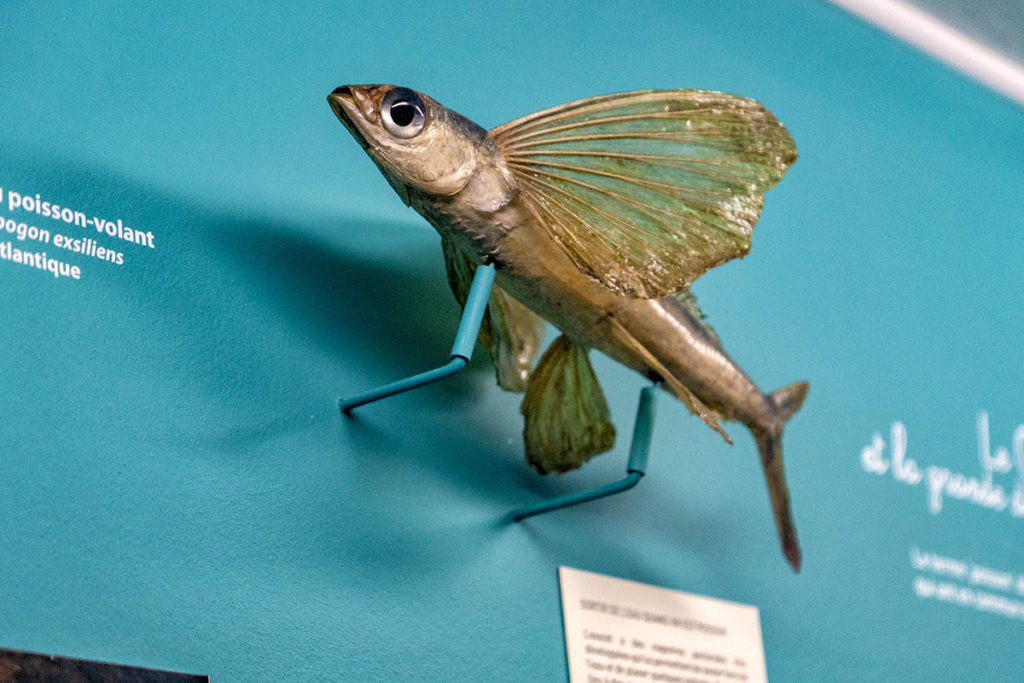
(462, 349)
(635, 468)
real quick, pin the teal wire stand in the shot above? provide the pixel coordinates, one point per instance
(635, 469)
(462, 349)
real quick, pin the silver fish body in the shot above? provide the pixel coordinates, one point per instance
(460, 181)
(489, 216)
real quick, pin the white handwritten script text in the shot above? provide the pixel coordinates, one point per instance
(881, 458)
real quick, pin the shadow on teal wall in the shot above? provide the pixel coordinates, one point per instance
(177, 489)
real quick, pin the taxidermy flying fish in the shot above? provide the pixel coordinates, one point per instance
(597, 215)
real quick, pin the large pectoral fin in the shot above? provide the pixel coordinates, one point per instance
(646, 190)
(567, 417)
(511, 332)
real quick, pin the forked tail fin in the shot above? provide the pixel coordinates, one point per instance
(787, 401)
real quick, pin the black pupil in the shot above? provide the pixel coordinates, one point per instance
(403, 113)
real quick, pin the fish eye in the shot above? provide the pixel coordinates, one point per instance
(402, 113)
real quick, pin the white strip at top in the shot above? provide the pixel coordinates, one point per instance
(943, 42)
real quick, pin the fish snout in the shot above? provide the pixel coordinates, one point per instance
(342, 103)
(354, 101)
(340, 94)
(349, 107)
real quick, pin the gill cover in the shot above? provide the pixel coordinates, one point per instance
(416, 142)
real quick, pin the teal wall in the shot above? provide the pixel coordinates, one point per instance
(177, 489)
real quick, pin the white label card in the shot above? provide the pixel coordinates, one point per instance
(619, 631)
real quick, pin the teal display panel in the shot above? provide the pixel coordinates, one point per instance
(223, 263)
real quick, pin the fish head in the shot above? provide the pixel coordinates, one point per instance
(418, 144)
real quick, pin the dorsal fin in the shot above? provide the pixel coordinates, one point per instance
(688, 301)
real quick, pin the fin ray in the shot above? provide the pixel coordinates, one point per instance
(567, 420)
(647, 190)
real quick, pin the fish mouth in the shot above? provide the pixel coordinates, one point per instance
(342, 101)
(356, 108)
(350, 104)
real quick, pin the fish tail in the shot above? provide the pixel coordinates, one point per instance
(787, 401)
